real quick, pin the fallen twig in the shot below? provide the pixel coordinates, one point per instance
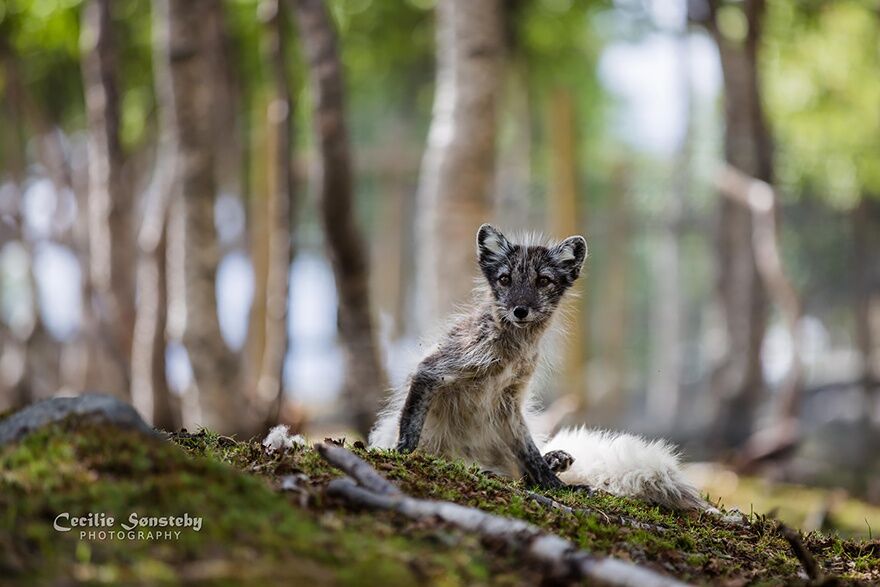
(549, 502)
(561, 556)
(360, 470)
(608, 518)
(811, 567)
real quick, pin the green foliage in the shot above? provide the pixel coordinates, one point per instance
(388, 54)
(822, 90)
(43, 37)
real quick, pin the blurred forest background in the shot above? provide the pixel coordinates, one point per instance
(242, 211)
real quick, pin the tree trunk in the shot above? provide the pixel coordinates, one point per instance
(223, 79)
(89, 362)
(214, 366)
(110, 220)
(514, 205)
(565, 221)
(15, 391)
(279, 116)
(149, 387)
(258, 242)
(365, 379)
(389, 255)
(737, 380)
(458, 169)
(761, 201)
(866, 244)
(150, 392)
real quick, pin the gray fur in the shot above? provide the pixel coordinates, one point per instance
(467, 399)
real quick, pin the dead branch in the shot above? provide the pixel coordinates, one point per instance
(760, 199)
(608, 518)
(811, 567)
(356, 467)
(548, 502)
(562, 557)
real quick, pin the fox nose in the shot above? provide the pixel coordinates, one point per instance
(520, 312)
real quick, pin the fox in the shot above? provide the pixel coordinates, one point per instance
(470, 398)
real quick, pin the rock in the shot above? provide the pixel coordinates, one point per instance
(92, 406)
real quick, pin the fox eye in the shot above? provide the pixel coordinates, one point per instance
(543, 281)
(504, 280)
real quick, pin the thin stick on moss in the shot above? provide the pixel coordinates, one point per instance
(562, 558)
(607, 518)
(357, 468)
(808, 562)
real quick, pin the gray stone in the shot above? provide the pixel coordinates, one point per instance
(97, 407)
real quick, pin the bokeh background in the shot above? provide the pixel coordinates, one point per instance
(239, 212)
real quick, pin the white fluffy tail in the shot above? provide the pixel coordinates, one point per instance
(626, 465)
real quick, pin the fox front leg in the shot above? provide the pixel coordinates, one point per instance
(415, 410)
(536, 469)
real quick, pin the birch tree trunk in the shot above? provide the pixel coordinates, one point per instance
(737, 380)
(279, 171)
(365, 380)
(149, 386)
(458, 168)
(110, 220)
(214, 366)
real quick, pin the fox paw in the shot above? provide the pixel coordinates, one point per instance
(558, 460)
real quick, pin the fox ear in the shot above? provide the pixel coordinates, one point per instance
(491, 245)
(570, 254)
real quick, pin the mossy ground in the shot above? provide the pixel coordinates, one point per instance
(256, 533)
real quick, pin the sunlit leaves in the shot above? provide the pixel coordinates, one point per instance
(822, 86)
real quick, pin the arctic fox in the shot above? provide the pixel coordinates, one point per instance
(469, 398)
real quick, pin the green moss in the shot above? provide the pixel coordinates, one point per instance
(252, 532)
(696, 547)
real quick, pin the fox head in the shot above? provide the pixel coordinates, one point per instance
(528, 281)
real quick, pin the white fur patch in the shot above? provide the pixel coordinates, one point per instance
(279, 438)
(626, 465)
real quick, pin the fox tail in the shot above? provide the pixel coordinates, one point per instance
(628, 466)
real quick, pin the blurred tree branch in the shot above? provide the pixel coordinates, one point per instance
(759, 198)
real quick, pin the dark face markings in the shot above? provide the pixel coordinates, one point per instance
(527, 278)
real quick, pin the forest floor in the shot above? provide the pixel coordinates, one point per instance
(260, 528)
